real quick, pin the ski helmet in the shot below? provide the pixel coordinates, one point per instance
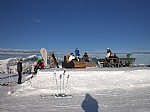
(38, 59)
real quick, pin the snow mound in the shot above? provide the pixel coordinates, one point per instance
(80, 81)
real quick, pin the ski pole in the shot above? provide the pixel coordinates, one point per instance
(56, 82)
(54, 74)
(60, 83)
(63, 81)
(67, 82)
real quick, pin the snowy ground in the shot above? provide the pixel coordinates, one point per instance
(98, 89)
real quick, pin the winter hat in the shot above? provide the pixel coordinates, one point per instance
(38, 59)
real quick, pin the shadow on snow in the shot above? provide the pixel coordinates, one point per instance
(90, 104)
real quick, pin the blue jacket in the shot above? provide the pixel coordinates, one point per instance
(77, 52)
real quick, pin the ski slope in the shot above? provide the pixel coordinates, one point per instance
(95, 89)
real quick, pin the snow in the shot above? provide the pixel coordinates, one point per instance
(108, 89)
(80, 81)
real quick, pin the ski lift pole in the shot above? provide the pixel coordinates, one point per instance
(10, 80)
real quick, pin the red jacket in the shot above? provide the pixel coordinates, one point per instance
(39, 65)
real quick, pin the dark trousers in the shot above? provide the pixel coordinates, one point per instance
(19, 77)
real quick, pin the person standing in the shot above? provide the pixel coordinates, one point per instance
(19, 69)
(53, 61)
(107, 58)
(108, 54)
(77, 53)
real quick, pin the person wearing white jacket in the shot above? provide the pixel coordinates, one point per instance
(108, 54)
(72, 57)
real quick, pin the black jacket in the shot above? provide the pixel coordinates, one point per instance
(19, 66)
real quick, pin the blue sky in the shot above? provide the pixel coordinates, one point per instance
(90, 25)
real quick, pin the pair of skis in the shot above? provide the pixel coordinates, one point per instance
(62, 85)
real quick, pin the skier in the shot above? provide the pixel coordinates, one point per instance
(19, 69)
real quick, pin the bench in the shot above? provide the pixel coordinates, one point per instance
(118, 63)
(127, 61)
(72, 64)
(89, 64)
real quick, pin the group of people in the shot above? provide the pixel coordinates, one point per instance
(76, 57)
(54, 63)
(39, 65)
